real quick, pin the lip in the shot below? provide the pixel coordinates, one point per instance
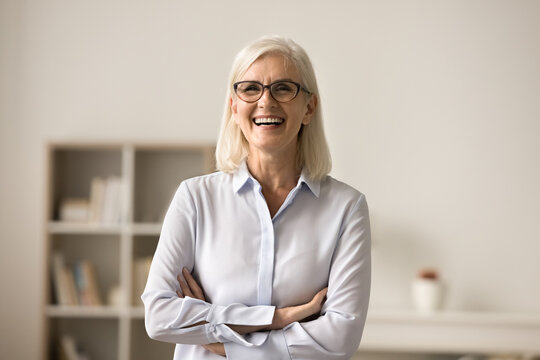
(268, 116)
(270, 124)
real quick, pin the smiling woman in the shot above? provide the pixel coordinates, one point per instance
(268, 258)
(313, 154)
(271, 120)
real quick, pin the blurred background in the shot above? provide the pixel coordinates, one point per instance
(431, 109)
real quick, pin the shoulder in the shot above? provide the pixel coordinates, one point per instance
(213, 180)
(212, 183)
(336, 195)
(333, 188)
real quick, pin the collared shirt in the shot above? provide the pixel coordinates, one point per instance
(249, 263)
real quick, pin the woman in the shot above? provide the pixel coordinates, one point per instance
(270, 257)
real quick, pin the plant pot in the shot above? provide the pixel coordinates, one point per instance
(427, 295)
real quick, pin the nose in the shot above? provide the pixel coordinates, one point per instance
(266, 98)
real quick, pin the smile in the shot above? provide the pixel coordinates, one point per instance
(268, 121)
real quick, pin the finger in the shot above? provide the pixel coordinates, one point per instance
(195, 288)
(178, 292)
(319, 297)
(185, 288)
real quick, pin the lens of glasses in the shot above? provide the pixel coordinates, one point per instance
(251, 91)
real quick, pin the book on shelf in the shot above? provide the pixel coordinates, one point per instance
(104, 204)
(105, 199)
(77, 285)
(87, 288)
(73, 295)
(69, 349)
(141, 268)
(75, 210)
(60, 280)
(97, 194)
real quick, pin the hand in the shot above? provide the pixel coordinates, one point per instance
(189, 287)
(192, 289)
(216, 348)
(282, 317)
(285, 316)
(307, 311)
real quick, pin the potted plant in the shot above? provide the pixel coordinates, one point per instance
(427, 291)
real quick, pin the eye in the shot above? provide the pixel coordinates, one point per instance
(249, 88)
(284, 87)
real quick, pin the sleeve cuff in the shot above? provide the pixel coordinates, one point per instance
(239, 314)
(224, 334)
(274, 348)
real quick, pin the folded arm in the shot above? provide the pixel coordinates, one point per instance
(337, 332)
(282, 317)
(172, 319)
(190, 319)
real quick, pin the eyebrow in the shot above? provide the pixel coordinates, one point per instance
(284, 79)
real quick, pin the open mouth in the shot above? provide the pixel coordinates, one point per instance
(267, 121)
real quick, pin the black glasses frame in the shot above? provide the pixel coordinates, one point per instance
(269, 87)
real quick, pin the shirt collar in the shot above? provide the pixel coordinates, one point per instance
(314, 186)
(242, 176)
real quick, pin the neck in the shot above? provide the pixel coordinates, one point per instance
(274, 172)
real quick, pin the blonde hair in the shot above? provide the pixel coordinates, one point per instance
(312, 152)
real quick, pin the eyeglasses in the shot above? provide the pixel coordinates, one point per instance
(281, 91)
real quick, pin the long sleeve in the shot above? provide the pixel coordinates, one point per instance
(337, 332)
(170, 318)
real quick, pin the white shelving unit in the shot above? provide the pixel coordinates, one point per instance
(449, 332)
(150, 173)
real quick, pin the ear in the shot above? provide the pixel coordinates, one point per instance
(310, 109)
(232, 104)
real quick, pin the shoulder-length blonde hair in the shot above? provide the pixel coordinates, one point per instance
(312, 152)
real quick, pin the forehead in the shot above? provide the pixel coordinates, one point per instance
(271, 67)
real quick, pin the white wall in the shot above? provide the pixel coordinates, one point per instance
(431, 110)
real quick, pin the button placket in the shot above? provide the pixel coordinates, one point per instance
(266, 256)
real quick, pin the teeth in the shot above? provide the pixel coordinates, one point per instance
(268, 121)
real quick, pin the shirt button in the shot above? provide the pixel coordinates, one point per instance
(212, 328)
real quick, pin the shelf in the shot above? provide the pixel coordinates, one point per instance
(146, 228)
(136, 312)
(82, 311)
(60, 227)
(452, 332)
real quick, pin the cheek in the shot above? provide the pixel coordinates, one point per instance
(243, 112)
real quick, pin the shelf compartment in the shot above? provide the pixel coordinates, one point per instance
(102, 251)
(144, 248)
(96, 337)
(74, 168)
(142, 347)
(158, 173)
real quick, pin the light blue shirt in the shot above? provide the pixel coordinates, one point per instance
(248, 264)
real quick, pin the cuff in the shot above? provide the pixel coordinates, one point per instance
(239, 314)
(274, 348)
(224, 334)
